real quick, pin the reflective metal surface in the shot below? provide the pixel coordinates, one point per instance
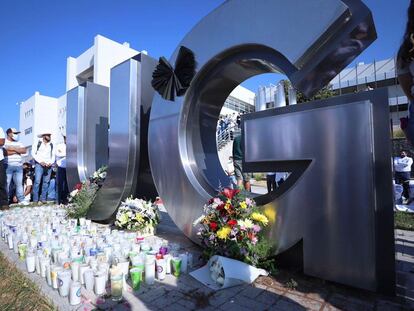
(338, 200)
(87, 131)
(128, 169)
(184, 130)
(310, 52)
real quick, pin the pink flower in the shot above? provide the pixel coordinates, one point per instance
(256, 228)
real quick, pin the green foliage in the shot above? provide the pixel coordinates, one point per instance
(404, 221)
(324, 93)
(82, 200)
(258, 176)
(291, 284)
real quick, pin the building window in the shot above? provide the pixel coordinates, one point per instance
(28, 131)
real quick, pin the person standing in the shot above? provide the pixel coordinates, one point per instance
(61, 180)
(230, 172)
(44, 157)
(271, 182)
(4, 202)
(405, 72)
(242, 178)
(402, 166)
(13, 161)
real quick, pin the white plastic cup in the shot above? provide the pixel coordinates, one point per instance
(100, 282)
(161, 268)
(64, 282)
(82, 268)
(54, 276)
(88, 275)
(75, 293)
(74, 267)
(31, 263)
(149, 270)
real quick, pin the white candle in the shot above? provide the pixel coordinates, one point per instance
(48, 274)
(184, 262)
(10, 240)
(64, 282)
(89, 279)
(82, 268)
(167, 258)
(74, 266)
(161, 268)
(43, 263)
(75, 294)
(100, 281)
(31, 263)
(54, 276)
(149, 270)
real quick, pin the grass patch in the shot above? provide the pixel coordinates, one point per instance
(17, 292)
(404, 221)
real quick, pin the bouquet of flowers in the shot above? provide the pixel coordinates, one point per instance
(99, 176)
(138, 215)
(232, 226)
(83, 195)
(81, 199)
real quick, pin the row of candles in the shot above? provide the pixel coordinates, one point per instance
(70, 256)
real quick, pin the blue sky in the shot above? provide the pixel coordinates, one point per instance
(36, 37)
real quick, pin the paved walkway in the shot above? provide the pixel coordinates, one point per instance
(288, 291)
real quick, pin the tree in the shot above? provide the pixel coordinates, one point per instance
(325, 92)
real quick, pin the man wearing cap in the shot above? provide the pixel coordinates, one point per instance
(4, 203)
(13, 151)
(44, 156)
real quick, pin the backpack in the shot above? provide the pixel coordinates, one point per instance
(51, 147)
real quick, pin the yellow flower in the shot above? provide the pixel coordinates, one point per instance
(260, 218)
(227, 206)
(243, 205)
(223, 233)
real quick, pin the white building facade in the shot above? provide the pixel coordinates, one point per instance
(39, 112)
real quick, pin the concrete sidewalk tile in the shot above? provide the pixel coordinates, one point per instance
(268, 298)
(251, 292)
(231, 306)
(284, 305)
(308, 303)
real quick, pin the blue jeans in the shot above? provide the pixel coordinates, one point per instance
(41, 173)
(15, 172)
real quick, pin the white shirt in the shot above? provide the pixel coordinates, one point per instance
(1, 148)
(403, 164)
(60, 154)
(14, 159)
(44, 153)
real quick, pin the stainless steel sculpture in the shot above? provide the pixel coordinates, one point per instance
(128, 169)
(310, 41)
(87, 131)
(338, 200)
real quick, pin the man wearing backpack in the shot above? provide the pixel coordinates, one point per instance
(43, 154)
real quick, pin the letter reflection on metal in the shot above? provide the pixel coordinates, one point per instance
(128, 169)
(310, 41)
(87, 131)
